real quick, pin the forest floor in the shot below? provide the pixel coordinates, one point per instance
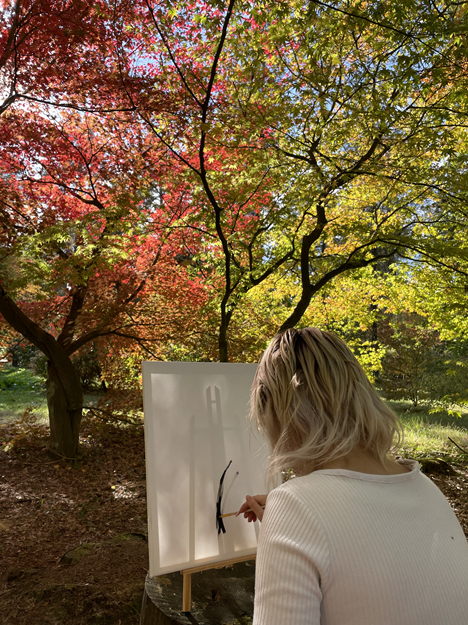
(98, 502)
(50, 507)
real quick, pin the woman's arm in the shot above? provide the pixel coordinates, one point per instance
(292, 563)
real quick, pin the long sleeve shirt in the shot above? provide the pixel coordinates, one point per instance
(338, 547)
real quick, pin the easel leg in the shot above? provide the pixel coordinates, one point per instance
(187, 593)
(187, 577)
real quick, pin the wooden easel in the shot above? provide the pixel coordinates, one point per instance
(187, 573)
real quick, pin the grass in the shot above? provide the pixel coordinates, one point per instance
(427, 434)
(21, 389)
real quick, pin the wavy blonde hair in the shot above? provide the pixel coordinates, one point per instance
(312, 399)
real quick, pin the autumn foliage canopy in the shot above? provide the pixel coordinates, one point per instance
(167, 167)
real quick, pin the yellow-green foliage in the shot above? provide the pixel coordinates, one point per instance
(345, 307)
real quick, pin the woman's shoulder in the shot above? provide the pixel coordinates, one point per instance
(329, 483)
(292, 505)
(295, 489)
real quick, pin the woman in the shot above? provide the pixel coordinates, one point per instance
(355, 538)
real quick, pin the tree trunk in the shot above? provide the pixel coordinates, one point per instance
(299, 310)
(64, 420)
(222, 334)
(64, 391)
(223, 345)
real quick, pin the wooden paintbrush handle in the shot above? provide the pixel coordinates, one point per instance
(234, 513)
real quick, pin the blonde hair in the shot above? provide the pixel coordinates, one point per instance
(312, 399)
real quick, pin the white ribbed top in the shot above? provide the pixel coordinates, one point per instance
(339, 547)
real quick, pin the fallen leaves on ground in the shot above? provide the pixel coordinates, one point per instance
(50, 507)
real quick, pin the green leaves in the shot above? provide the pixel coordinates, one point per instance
(313, 139)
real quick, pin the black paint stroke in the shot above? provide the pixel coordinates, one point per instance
(228, 489)
(219, 521)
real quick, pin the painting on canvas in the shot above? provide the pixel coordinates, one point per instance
(196, 433)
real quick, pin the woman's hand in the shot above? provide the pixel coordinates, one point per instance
(252, 508)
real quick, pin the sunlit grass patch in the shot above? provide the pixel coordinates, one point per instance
(20, 389)
(427, 433)
(425, 438)
(14, 378)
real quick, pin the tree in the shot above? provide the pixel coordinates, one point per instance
(320, 127)
(419, 366)
(81, 227)
(411, 346)
(425, 330)
(304, 138)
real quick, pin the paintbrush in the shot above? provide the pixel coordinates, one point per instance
(221, 516)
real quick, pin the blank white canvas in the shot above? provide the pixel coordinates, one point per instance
(195, 424)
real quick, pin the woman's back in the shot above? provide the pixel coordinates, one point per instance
(353, 541)
(338, 546)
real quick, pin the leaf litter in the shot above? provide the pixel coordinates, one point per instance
(49, 507)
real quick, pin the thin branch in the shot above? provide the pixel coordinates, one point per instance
(465, 451)
(386, 26)
(173, 60)
(12, 33)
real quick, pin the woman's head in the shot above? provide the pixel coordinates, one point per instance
(313, 401)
